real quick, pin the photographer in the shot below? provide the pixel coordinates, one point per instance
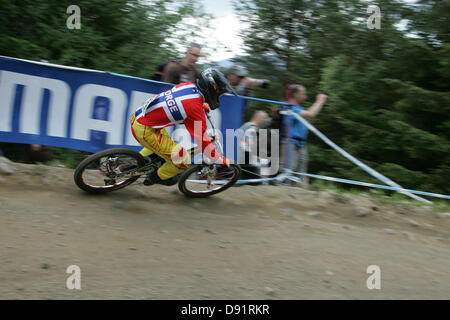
(237, 77)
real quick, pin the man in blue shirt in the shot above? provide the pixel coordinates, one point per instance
(294, 152)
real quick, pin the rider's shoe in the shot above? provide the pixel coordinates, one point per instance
(152, 158)
(153, 178)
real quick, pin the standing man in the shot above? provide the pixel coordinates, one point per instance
(181, 71)
(295, 153)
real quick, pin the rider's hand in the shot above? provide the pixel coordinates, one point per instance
(206, 107)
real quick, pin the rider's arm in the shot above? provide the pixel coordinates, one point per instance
(197, 118)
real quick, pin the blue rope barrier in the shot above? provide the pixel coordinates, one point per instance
(245, 181)
(373, 185)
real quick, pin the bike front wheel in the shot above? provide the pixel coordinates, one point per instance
(108, 170)
(204, 180)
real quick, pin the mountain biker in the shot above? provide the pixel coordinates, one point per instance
(186, 104)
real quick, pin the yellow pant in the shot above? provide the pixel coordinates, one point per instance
(159, 141)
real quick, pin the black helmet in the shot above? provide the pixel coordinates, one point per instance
(212, 84)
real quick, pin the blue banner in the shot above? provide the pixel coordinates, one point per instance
(42, 103)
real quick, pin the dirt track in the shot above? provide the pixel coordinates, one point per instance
(260, 242)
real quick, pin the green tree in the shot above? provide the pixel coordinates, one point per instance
(389, 100)
(124, 36)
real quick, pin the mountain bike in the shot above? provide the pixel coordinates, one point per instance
(116, 168)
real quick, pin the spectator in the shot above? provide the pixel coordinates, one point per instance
(180, 71)
(249, 146)
(294, 151)
(237, 77)
(32, 153)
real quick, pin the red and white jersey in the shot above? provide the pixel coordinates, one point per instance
(183, 104)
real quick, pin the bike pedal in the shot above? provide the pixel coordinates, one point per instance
(153, 158)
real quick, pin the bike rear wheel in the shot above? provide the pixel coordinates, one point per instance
(205, 180)
(108, 170)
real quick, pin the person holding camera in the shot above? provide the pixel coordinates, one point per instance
(238, 78)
